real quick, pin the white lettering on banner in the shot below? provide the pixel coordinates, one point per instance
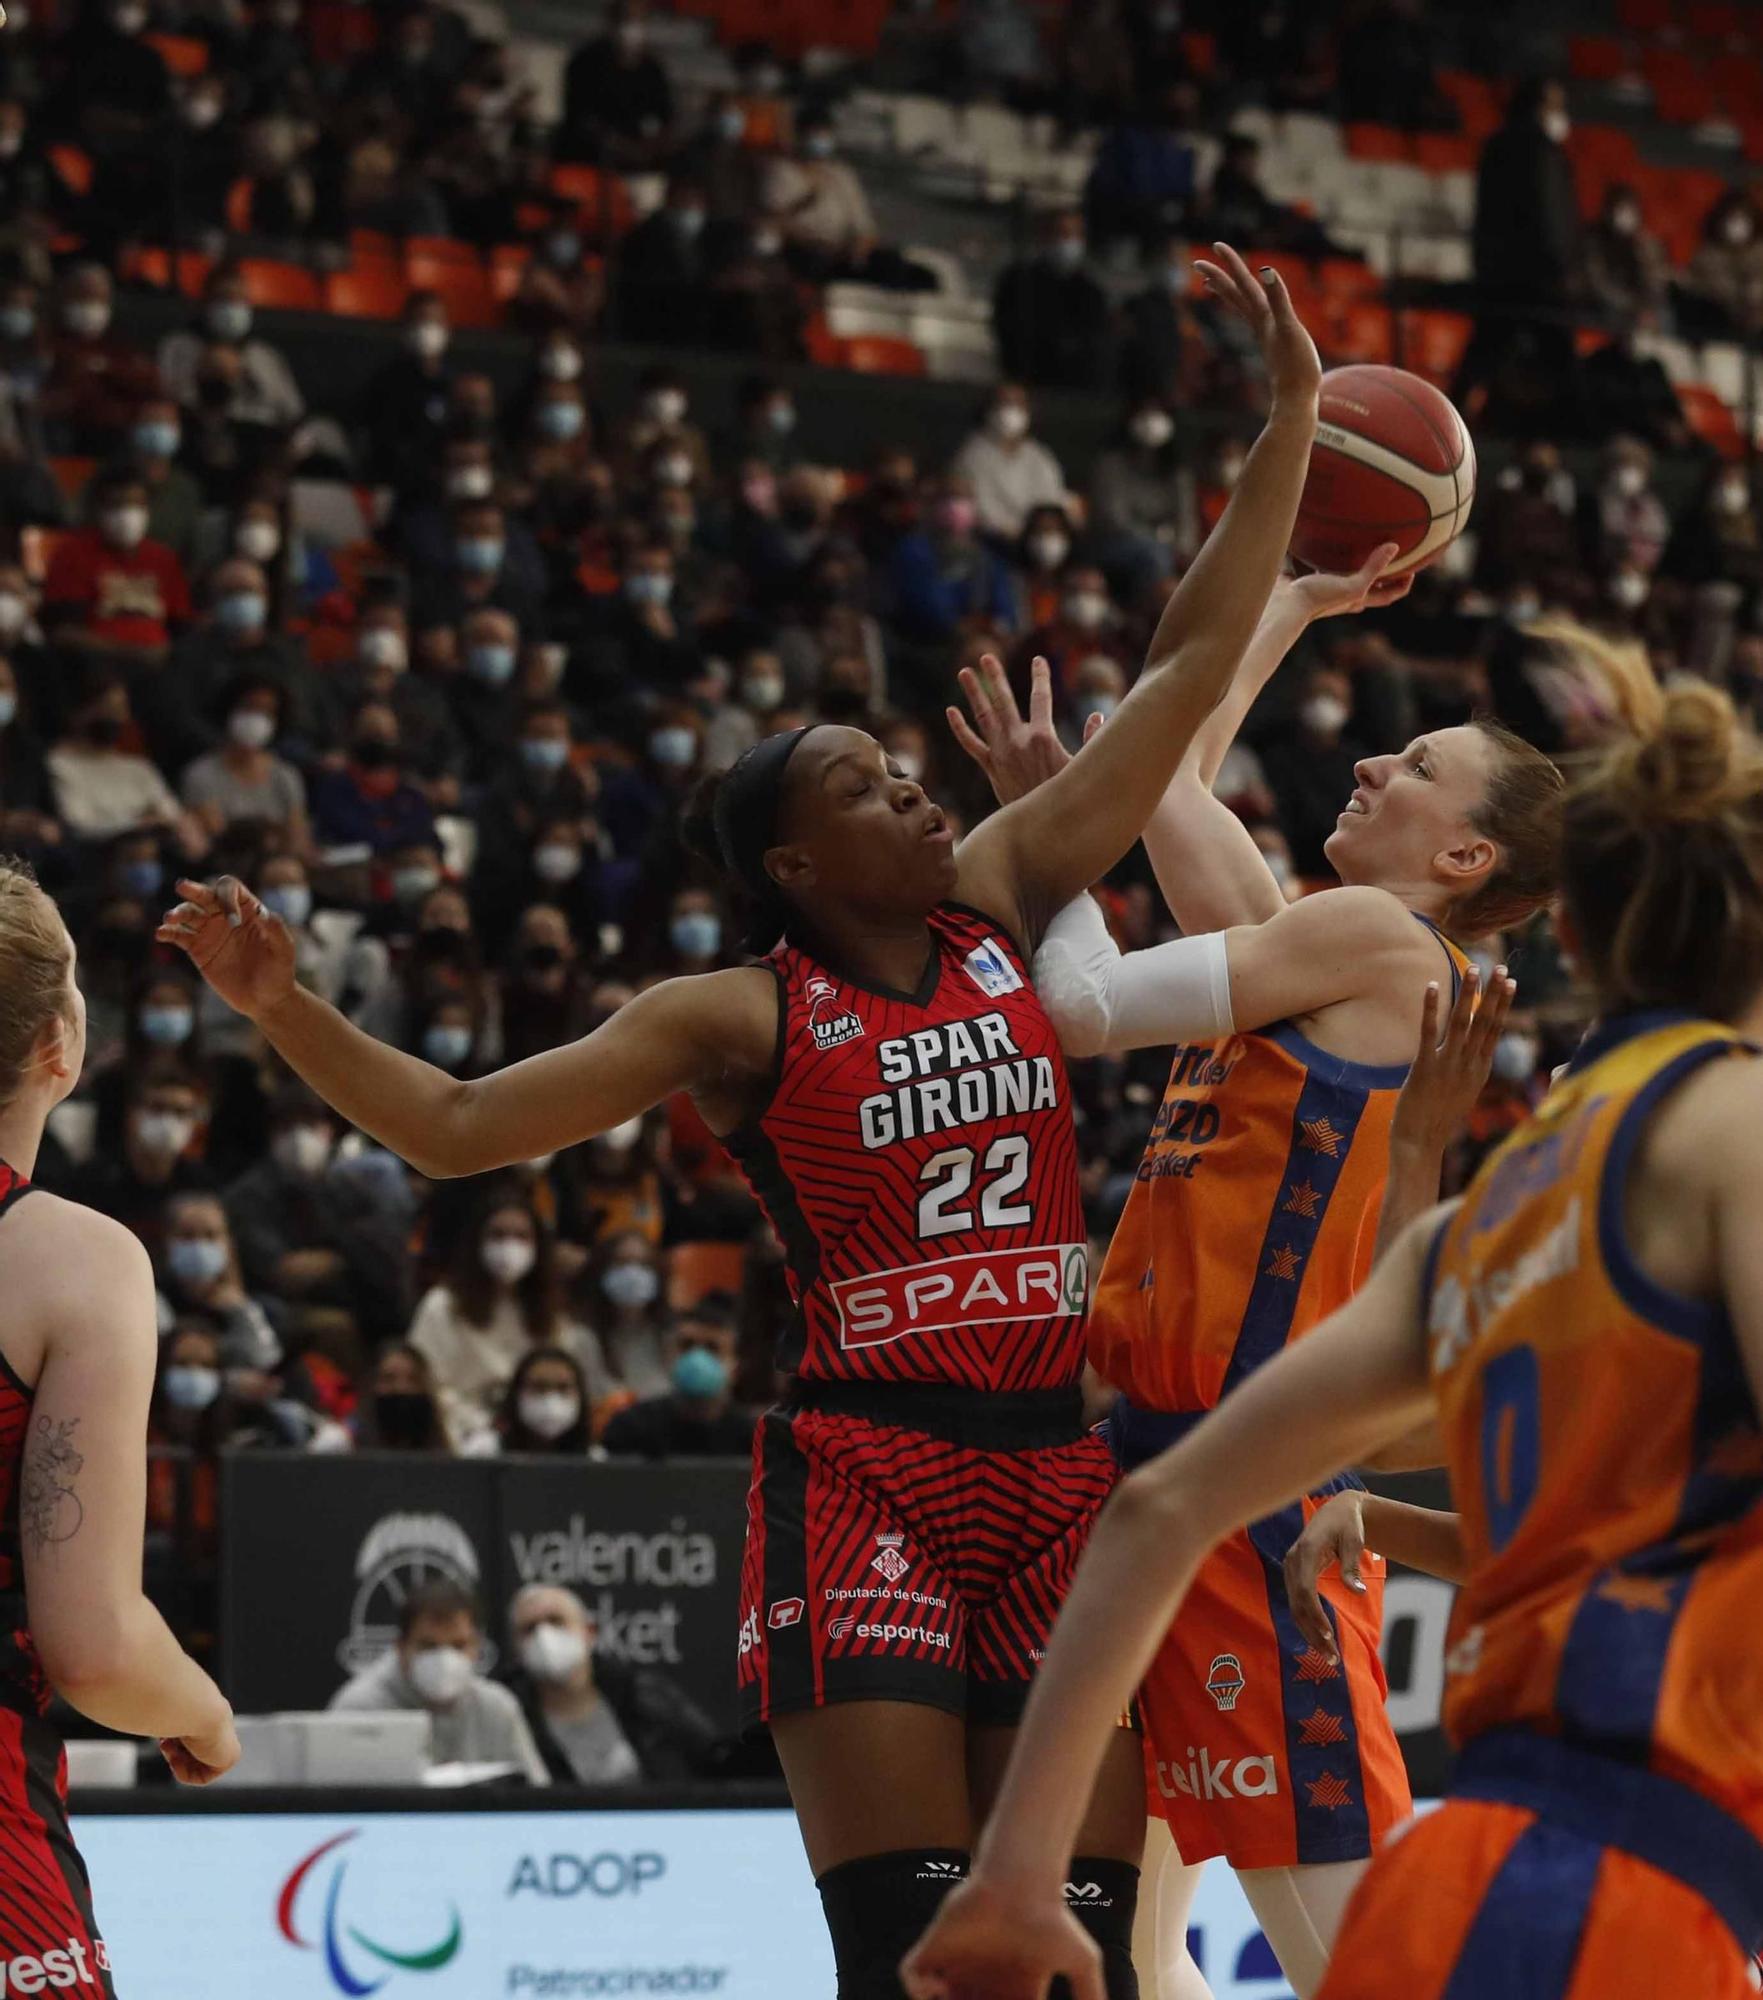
(48, 1971)
(1200, 1778)
(989, 1285)
(608, 1874)
(569, 1983)
(674, 1559)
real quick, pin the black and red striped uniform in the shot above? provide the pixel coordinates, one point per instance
(920, 1498)
(49, 1941)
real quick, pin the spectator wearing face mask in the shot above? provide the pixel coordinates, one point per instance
(598, 1720)
(1632, 525)
(232, 641)
(244, 781)
(620, 1190)
(539, 784)
(96, 378)
(544, 1003)
(663, 411)
(664, 269)
(404, 407)
(1098, 687)
(379, 671)
(486, 705)
(499, 1299)
(200, 1286)
(1041, 553)
(174, 500)
(620, 1293)
(1009, 471)
(694, 933)
(942, 575)
(828, 226)
(1311, 768)
(156, 1160)
(1724, 281)
(1163, 351)
(263, 389)
(546, 1408)
(1532, 537)
(103, 789)
(1051, 318)
(434, 1670)
(489, 563)
(1718, 540)
(304, 1238)
(1626, 269)
(371, 802)
(1143, 507)
(28, 824)
(1086, 625)
(697, 1416)
(395, 1407)
(1625, 388)
(766, 430)
(111, 593)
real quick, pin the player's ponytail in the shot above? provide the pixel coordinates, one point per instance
(731, 821)
(34, 964)
(1662, 860)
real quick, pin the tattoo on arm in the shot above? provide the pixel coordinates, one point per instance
(49, 1510)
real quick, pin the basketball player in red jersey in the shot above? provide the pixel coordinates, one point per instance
(1255, 1213)
(896, 1094)
(1587, 1324)
(76, 1371)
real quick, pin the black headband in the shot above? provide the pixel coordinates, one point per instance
(747, 800)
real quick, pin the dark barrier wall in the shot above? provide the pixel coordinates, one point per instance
(320, 1552)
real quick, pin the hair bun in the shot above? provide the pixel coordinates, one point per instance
(1692, 764)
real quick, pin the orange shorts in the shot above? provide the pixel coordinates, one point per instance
(1257, 1748)
(1489, 1901)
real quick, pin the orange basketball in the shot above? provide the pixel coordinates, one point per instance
(1392, 462)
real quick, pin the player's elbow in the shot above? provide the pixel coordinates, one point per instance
(448, 1143)
(87, 1660)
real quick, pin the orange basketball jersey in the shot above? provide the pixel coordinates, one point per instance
(1604, 1447)
(1253, 1216)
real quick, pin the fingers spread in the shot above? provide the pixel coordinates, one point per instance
(1040, 694)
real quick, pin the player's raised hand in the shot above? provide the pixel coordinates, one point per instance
(1015, 753)
(1321, 595)
(1335, 1533)
(986, 1945)
(1450, 1074)
(243, 951)
(1294, 368)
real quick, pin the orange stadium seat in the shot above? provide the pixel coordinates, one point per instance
(373, 289)
(457, 273)
(1711, 420)
(1596, 58)
(73, 167)
(1433, 344)
(507, 262)
(696, 1268)
(269, 281)
(1721, 21)
(183, 55)
(189, 271)
(1378, 142)
(882, 354)
(602, 200)
(238, 205)
(1480, 104)
(1446, 152)
(1358, 330)
(1645, 17)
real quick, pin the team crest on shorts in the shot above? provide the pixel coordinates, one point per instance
(830, 1024)
(991, 971)
(888, 1558)
(1224, 1680)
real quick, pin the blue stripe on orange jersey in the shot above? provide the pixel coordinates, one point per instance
(1524, 1940)
(1322, 1739)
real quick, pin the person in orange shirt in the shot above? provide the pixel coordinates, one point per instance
(1256, 1212)
(1587, 1326)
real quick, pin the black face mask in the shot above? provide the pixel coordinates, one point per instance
(373, 753)
(103, 730)
(843, 705)
(442, 942)
(403, 1417)
(542, 957)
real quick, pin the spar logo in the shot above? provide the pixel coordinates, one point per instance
(351, 1957)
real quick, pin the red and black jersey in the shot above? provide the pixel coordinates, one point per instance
(23, 1686)
(919, 1162)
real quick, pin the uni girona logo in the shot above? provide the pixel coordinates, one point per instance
(336, 1934)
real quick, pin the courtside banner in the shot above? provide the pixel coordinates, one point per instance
(502, 1906)
(318, 1554)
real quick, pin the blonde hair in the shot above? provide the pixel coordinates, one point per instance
(34, 960)
(1662, 858)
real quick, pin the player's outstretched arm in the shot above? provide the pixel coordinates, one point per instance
(1034, 857)
(687, 1034)
(1322, 1404)
(83, 1490)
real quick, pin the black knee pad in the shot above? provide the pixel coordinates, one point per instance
(1103, 1895)
(878, 1907)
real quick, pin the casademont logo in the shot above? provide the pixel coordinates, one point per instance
(315, 1912)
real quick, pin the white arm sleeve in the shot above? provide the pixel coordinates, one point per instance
(1104, 1003)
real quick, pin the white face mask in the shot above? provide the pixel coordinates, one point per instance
(1630, 480)
(126, 526)
(428, 338)
(1086, 609)
(251, 729)
(1557, 125)
(762, 694)
(86, 318)
(13, 613)
(560, 364)
(259, 540)
(508, 1258)
(1153, 429)
(470, 482)
(1515, 1057)
(1326, 714)
(440, 1674)
(548, 1413)
(1521, 610)
(1626, 221)
(554, 1652)
(381, 646)
(1010, 420)
(1734, 496)
(557, 862)
(190, 1387)
(667, 406)
(164, 1132)
(302, 1150)
(1049, 550)
(1629, 591)
(1737, 227)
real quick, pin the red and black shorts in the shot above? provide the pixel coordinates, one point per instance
(49, 1941)
(909, 1544)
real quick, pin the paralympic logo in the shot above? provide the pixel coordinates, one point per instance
(343, 1975)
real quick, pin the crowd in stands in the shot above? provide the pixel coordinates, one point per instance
(451, 756)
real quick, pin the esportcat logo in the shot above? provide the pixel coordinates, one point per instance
(337, 1934)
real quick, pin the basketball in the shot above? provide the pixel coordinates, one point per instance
(1393, 462)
